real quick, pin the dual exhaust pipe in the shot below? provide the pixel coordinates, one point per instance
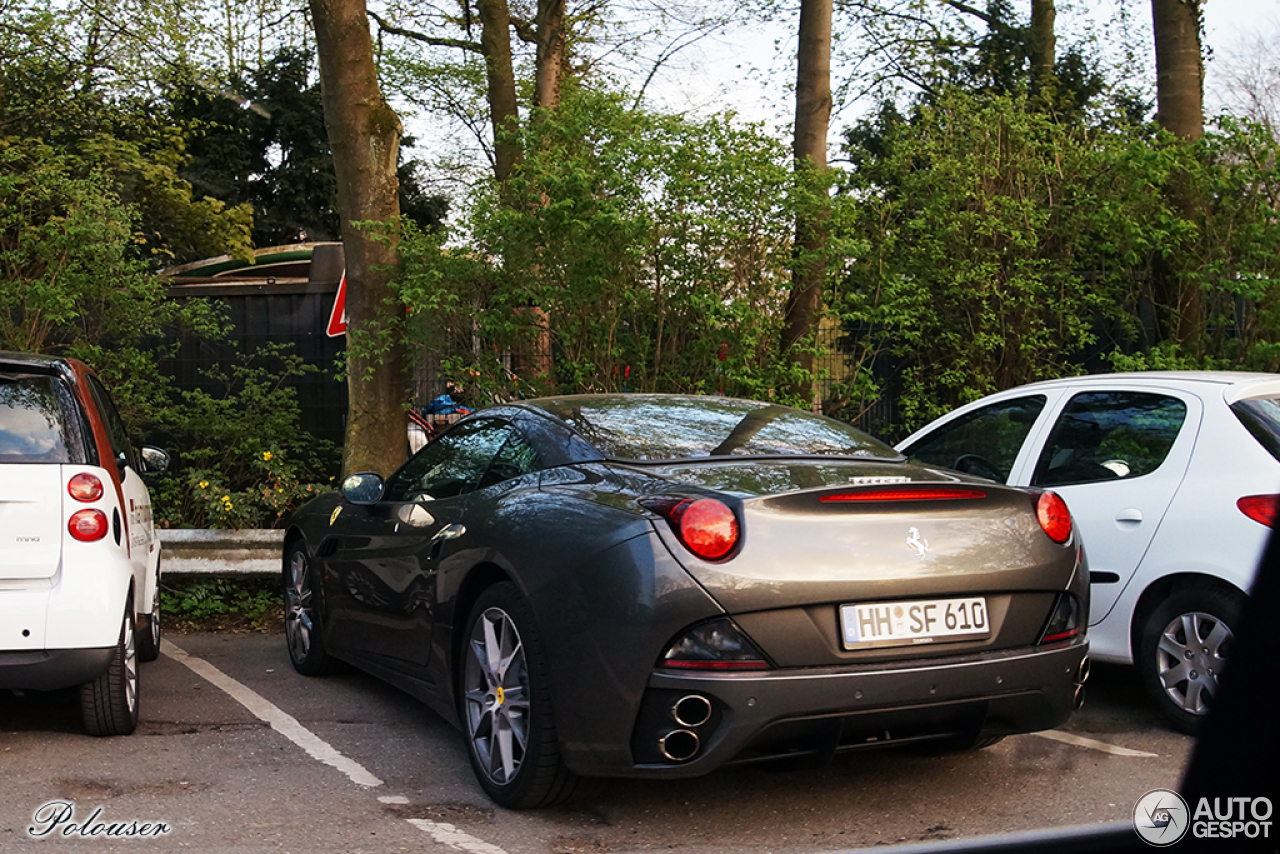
(689, 712)
(1082, 676)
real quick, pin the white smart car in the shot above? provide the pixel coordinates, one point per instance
(1173, 479)
(79, 560)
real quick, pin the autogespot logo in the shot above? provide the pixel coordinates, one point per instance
(1161, 817)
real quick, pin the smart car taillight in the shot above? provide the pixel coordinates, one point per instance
(85, 487)
(706, 526)
(1054, 516)
(715, 645)
(1261, 508)
(88, 525)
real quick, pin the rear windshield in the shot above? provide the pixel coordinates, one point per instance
(39, 421)
(660, 427)
(1261, 417)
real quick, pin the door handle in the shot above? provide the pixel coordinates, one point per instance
(1133, 514)
(449, 532)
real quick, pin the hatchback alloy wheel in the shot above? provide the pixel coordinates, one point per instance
(1190, 655)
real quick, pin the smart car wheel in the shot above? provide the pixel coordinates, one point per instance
(301, 614)
(1185, 643)
(109, 703)
(505, 705)
(149, 637)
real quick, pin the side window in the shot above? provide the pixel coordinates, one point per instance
(116, 431)
(1108, 436)
(516, 458)
(451, 465)
(985, 442)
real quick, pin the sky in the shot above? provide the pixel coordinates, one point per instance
(743, 70)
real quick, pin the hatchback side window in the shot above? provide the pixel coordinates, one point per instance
(985, 442)
(1109, 435)
(451, 465)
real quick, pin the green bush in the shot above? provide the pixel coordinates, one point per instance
(222, 604)
(241, 460)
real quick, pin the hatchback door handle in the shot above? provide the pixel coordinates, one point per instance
(1133, 514)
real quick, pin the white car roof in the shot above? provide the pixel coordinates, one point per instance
(1236, 385)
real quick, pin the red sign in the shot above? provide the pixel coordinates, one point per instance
(338, 317)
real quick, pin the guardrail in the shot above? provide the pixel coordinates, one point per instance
(220, 551)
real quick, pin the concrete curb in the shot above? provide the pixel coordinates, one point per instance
(220, 551)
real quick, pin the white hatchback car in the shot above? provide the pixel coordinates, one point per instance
(1172, 479)
(79, 560)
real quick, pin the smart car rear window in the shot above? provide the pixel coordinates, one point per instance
(39, 421)
(659, 427)
(1261, 417)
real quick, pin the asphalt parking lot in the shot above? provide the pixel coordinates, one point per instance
(237, 752)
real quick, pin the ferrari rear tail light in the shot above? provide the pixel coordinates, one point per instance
(1064, 622)
(706, 526)
(88, 525)
(1261, 508)
(85, 487)
(1054, 516)
(716, 645)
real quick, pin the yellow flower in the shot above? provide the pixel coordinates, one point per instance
(204, 484)
(266, 456)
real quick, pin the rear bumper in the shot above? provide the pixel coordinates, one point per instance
(51, 669)
(816, 712)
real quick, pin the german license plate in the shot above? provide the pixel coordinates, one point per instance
(867, 624)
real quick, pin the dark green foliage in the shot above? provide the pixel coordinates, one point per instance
(261, 140)
(1003, 246)
(240, 459)
(651, 246)
(220, 604)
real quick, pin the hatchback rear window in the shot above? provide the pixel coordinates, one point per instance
(39, 421)
(1261, 417)
(660, 427)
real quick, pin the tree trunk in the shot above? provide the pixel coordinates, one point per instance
(813, 115)
(1179, 67)
(495, 37)
(1180, 110)
(1043, 44)
(550, 55)
(364, 135)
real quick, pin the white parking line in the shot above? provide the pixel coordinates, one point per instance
(447, 834)
(282, 722)
(1081, 741)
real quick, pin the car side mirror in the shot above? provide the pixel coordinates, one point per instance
(154, 460)
(363, 488)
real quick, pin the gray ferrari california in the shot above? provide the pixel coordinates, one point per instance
(653, 585)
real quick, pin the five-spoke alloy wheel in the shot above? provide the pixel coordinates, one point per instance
(505, 705)
(301, 615)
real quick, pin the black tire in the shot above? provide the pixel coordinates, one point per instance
(506, 710)
(148, 634)
(109, 703)
(302, 630)
(1183, 646)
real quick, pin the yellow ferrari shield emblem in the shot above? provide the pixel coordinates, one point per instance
(333, 517)
(502, 696)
